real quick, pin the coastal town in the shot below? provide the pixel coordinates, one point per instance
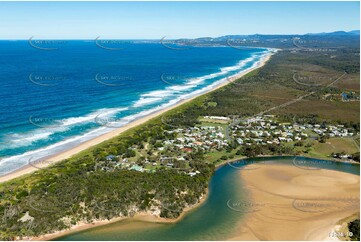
(220, 135)
(180, 121)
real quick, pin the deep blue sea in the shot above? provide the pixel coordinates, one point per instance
(55, 95)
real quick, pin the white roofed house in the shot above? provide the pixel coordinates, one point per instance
(240, 141)
(282, 138)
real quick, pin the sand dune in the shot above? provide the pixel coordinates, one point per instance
(297, 204)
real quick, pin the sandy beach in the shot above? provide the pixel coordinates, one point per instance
(297, 204)
(70, 152)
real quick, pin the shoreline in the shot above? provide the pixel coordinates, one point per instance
(146, 216)
(153, 218)
(273, 156)
(27, 169)
(142, 216)
(312, 217)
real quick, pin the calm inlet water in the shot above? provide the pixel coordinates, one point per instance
(213, 220)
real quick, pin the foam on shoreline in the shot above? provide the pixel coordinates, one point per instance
(67, 148)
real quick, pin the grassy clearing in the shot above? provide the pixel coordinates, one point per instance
(334, 145)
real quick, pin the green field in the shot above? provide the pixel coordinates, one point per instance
(334, 145)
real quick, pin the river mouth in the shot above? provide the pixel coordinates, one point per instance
(218, 217)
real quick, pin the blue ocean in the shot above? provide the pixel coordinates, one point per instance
(58, 94)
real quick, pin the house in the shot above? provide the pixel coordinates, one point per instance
(240, 141)
(187, 149)
(217, 118)
(110, 157)
(137, 168)
(192, 173)
(282, 139)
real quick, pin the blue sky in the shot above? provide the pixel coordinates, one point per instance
(153, 20)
